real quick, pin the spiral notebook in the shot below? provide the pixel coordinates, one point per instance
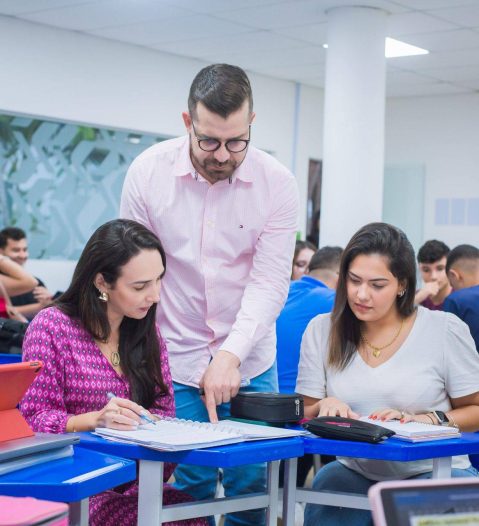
(174, 434)
(417, 431)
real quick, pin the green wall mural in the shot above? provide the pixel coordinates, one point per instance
(60, 181)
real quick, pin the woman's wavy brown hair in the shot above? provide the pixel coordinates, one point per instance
(108, 250)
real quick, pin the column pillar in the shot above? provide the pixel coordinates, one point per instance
(353, 152)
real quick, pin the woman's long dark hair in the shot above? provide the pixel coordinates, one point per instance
(110, 248)
(375, 238)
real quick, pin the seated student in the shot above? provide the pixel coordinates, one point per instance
(463, 272)
(13, 280)
(432, 257)
(303, 252)
(309, 296)
(7, 310)
(13, 243)
(101, 337)
(377, 355)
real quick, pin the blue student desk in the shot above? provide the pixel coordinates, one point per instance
(10, 358)
(441, 451)
(73, 480)
(150, 504)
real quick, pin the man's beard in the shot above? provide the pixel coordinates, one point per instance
(214, 171)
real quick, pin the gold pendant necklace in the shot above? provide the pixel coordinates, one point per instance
(377, 350)
(115, 358)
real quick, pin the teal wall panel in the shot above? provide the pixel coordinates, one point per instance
(60, 181)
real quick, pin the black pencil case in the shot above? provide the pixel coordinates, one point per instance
(341, 428)
(274, 408)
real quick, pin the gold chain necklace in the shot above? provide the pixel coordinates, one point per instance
(377, 350)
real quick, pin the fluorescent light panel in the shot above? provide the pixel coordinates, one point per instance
(395, 48)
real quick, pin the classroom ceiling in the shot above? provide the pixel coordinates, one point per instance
(279, 38)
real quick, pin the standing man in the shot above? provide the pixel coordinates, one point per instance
(432, 258)
(463, 272)
(226, 214)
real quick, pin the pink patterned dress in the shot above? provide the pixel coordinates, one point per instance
(75, 379)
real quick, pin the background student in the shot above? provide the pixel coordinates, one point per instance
(101, 337)
(303, 252)
(14, 278)
(13, 243)
(463, 272)
(309, 296)
(432, 258)
(378, 355)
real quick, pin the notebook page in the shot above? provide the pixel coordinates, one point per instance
(256, 432)
(175, 434)
(414, 429)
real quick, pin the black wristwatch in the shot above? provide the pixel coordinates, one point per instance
(441, 418)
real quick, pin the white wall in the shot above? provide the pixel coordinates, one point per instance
(440, 133)
(56, 74)
(64, 75)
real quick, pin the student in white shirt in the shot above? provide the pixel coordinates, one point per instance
(377, 355)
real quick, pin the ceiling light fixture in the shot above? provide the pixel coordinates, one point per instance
(395, 48)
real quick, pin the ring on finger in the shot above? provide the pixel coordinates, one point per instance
(402, 415)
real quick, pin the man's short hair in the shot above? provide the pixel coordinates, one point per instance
(11, 232)
(467, 252)
(222, 89)
(326, 258)
(432, 251)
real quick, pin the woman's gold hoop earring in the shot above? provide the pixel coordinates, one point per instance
(103, 296)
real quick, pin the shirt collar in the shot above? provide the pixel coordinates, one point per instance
(313, 281)
(183, 166)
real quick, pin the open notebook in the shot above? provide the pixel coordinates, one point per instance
(416, 431)
(173, 434)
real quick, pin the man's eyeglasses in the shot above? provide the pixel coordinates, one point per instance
(232, 145)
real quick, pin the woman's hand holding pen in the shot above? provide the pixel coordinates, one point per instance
(120, 413)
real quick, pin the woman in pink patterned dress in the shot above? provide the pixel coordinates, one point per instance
(101, 337)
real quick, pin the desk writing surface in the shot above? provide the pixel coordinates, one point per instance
(395, 449)
(10, 358)
(219, 456)
(95, 472)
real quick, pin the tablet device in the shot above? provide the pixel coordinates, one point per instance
(430, 502)
(15, 379)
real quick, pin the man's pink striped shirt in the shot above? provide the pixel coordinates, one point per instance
(229, 250)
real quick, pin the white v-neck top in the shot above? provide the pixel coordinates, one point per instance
(438, 359)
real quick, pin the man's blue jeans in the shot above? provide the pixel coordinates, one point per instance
(200, 481)
(336, 477)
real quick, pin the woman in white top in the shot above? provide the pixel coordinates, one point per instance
(377, 355)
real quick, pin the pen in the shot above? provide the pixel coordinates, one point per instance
(244, 383)
(143, 415)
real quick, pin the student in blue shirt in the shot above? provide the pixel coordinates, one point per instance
(313, 294)
(463, 272)
(309, 296)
